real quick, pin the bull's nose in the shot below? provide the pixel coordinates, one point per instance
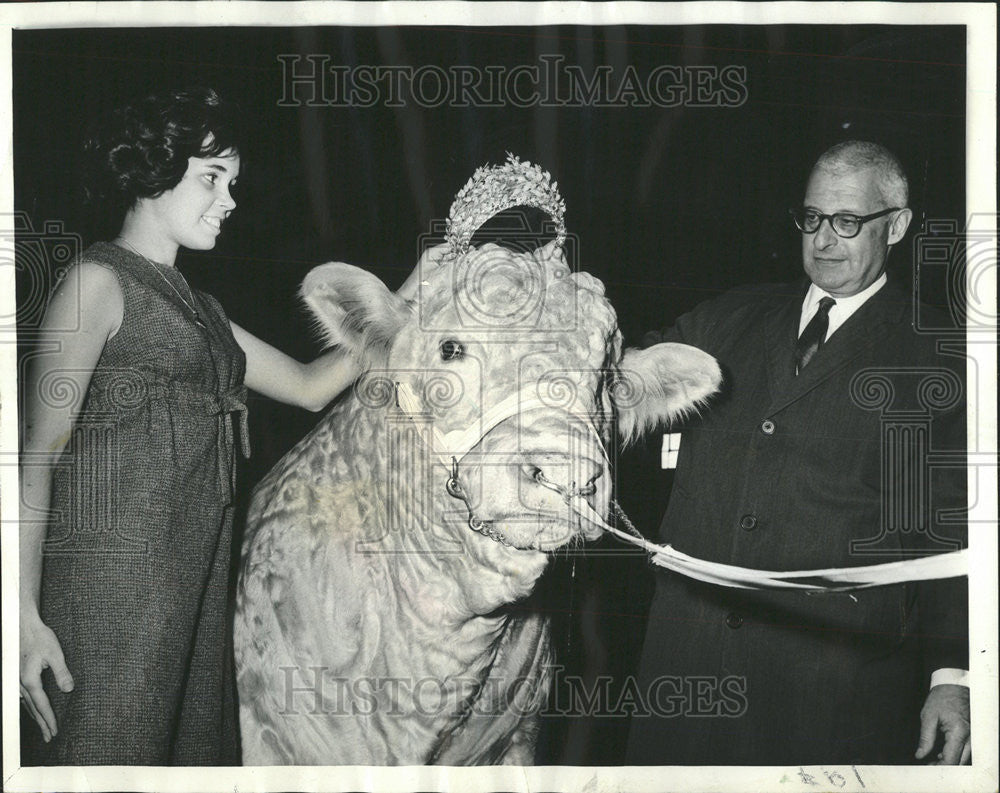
(569, 477)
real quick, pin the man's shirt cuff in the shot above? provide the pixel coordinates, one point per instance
(955, 677)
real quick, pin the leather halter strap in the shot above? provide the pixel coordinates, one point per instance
(459, 443)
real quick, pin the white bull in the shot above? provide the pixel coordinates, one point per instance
(383, 553)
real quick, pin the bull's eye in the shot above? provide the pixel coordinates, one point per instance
(451, 350)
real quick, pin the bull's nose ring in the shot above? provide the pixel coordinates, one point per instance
(567, 493)
(453, 486)
(544, 481)
(587, 490)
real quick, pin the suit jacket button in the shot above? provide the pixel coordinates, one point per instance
(767, 427)
(734, 620)
(748, 522)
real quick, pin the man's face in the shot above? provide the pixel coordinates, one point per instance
(844, 267)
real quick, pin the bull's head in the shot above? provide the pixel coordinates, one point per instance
(510, 368)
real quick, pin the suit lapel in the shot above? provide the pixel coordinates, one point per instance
(861, 330)
(781, 325)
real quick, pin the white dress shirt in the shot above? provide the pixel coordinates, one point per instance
(839, 314)
(842, 310)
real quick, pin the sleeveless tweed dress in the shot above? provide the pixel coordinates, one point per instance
(136, 564)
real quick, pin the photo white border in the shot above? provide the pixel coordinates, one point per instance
(980, 19)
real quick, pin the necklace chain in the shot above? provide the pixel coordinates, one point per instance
(176, 291)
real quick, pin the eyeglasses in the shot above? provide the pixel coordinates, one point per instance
(844, 224)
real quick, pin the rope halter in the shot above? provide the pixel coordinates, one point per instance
(449, 449)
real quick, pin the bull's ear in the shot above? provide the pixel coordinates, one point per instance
(353, 308)
(661, 383)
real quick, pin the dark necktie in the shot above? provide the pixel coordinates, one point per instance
(815, 332)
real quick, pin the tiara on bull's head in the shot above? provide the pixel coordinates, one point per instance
(496, 188)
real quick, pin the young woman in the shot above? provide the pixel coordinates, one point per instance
(128, 465)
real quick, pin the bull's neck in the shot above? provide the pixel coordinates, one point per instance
(437, 587)
(451, 573)
(436, 671)
(448, 574)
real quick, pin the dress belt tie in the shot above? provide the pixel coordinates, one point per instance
(235, 401)
(131, 390)
(231, 401)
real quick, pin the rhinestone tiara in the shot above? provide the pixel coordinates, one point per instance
(496, 188)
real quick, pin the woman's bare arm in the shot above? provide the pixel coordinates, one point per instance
(85, 311)
(309, 385)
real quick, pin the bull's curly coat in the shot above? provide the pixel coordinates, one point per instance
(373, 626)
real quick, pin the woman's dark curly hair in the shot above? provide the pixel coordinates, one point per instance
(144, 148)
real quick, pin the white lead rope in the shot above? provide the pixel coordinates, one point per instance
(833, 579)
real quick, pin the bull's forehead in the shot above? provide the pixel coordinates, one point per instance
(494, 292)
(525, 325)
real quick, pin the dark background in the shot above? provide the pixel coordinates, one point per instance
(670, 205)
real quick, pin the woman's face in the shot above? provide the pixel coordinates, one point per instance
(192, 213)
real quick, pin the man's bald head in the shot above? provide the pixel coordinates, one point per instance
(861, 179)
(862, 155)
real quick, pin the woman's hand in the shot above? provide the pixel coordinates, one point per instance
(40, 650)
(429, 261)
(314, 385)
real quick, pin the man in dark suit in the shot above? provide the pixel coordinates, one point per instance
(814, 455)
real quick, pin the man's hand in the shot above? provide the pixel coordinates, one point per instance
(946, 709)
